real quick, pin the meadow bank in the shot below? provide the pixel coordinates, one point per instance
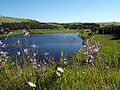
(95, 67)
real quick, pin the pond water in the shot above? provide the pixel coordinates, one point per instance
(53, 43)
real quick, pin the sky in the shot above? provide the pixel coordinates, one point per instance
(62, 11)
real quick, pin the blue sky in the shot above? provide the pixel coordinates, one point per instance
(62, 10)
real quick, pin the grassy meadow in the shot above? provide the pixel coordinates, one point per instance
(95, 67)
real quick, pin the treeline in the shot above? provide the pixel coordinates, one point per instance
(27, 25)
(109, 29)
(81, 26)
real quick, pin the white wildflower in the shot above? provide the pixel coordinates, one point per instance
(58, 74)
(60, 69)
(31, 84)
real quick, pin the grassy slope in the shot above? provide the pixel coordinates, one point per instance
(11, 20)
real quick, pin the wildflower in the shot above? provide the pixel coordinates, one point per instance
(2, 30)
(18, 53)
(34, 46)
(44, 68)
(37, 66)
(93, 46)
(34, 63)
(34, 59)
(4, 45)
(24, 30)
(46, 53)
(7, 58)
(26, 50)
(90, 61)
(95, 50)
(30, 84)
(84, 46)
(58, 74)
(27, 34)
(31, 60)
(107, 66)
(45, 63)
(85, 53)
(92, 57)
(60, 69)
(3, 53)
(34, 54)
(87, 61)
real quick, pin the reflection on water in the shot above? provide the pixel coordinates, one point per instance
(53, 43)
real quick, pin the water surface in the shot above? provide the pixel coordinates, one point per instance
(53, 43)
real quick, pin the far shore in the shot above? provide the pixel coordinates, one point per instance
(39, 31)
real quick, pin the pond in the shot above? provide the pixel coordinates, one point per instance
(52, 43)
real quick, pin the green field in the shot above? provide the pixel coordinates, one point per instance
(108, 23)
(11, 19)
(103, 74)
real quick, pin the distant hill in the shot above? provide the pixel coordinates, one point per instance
(12, 20)
(107, 23)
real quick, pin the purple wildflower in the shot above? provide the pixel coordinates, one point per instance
(4, 45)
(27, 34)
(2, 30)
(3, 53)
(34, 54)
(31, 60)
(37, 66)
(95, 50)
(7, 58)
(24, 30)
(84, 46)
(18, 53)
(46, 53)
(34, 46)
(26, 50)
(92, 57)
(34, 62)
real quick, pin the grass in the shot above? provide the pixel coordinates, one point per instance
(107, 23)
(101, 74)
(85, 33)
(110, 46)
(12, 20)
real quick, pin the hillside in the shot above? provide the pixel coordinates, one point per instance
(107, 23)
(12, 20)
